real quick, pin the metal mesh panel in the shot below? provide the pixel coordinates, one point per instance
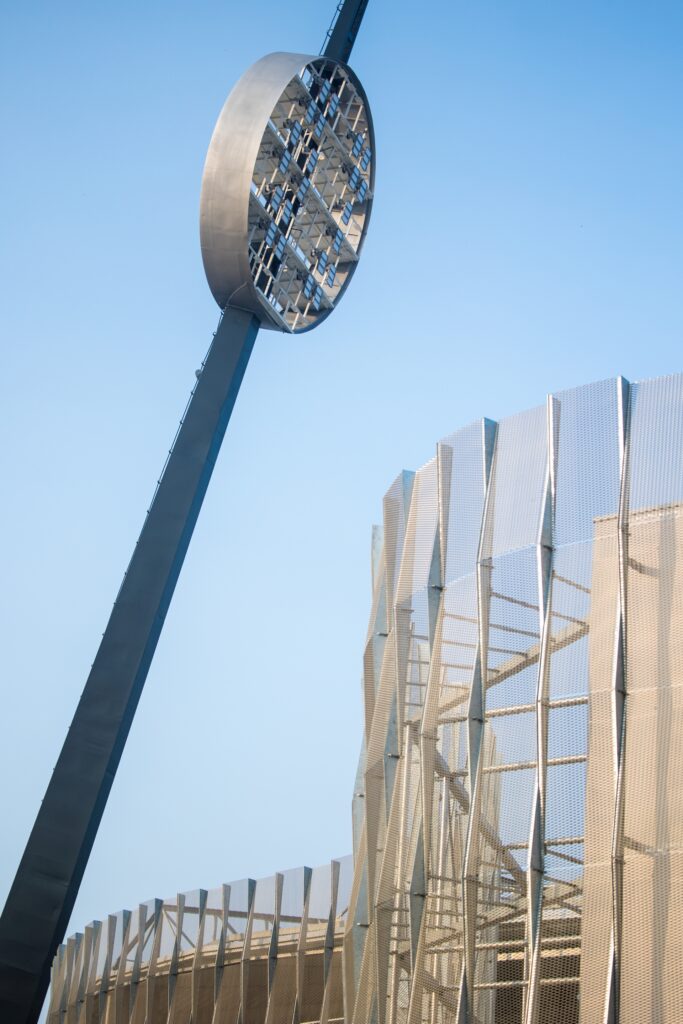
(264, 953)
(651, 842)
(396, 505)
(576, 734)
(416, 601)
(506, 781)
(588, 467)
(462, 472)
(496, 883)
(387, 665)
(516, 490)
(420, 533)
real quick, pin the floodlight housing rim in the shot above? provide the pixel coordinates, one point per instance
(227, 177)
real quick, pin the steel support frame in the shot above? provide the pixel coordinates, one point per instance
(619, 689)
(475, 723)
(545, 548)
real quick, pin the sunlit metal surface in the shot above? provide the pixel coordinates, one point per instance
(287, 190)
(518, 820)
(249, 950)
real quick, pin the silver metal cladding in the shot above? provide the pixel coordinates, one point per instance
(287, 190)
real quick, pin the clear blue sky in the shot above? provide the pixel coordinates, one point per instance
(526, 237)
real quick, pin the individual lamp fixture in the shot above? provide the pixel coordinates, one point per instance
(287, 190)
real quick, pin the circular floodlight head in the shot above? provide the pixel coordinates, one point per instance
(287, 190)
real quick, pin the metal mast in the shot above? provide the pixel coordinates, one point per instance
(41, 899)
(44, 891)
(342, 33)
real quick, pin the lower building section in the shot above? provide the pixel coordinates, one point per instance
(246, 953)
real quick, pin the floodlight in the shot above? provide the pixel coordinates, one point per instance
(268, 179)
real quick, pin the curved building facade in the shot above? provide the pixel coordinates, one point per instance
(247, 952)
(518, 814)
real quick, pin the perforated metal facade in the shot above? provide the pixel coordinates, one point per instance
(249, 952)
(519, 812)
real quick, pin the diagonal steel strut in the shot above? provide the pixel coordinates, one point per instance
(344, 29)
(42, 896)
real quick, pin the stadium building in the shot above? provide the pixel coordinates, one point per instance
(518, 814)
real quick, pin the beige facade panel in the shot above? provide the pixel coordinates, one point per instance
(253, 952)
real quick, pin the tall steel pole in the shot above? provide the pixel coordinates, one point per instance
(42, 896)
(344, 29)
